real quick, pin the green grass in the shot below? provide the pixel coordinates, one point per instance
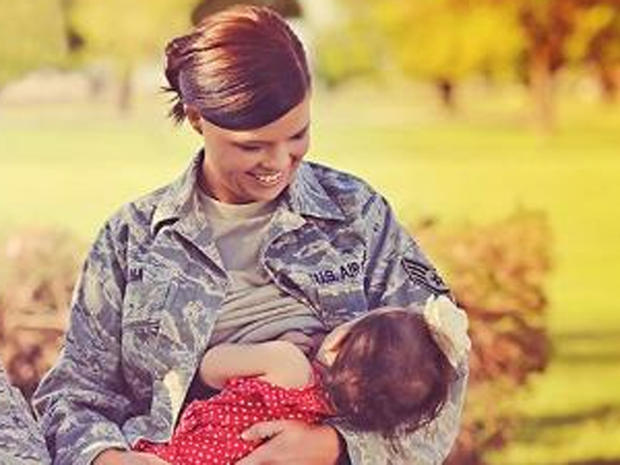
(72, 165)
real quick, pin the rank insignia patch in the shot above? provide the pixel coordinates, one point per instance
(424, 275)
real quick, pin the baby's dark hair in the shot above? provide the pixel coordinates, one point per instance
(389, 375)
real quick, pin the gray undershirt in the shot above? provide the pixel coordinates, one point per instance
(254, 308)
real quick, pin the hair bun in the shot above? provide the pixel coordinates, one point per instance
(177, 51)
(176, 54)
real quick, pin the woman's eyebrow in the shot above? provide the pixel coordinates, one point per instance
(301, 132)
(265, 142)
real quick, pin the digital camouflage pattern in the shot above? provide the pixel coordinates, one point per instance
(147, 299)
(21, 442)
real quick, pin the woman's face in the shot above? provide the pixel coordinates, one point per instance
(257, 164)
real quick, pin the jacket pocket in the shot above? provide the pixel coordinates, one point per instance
(341, 302)
(144, 304)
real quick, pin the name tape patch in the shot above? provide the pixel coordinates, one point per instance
(336, 275)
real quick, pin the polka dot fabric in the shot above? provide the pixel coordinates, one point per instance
(209, 431)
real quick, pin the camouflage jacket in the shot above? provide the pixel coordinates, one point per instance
(21, 442)
(148, 295)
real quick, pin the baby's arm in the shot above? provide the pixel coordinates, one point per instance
(278, 362)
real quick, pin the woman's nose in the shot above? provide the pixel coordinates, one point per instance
(279, 158)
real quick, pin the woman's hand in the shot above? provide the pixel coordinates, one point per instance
(126, 457)
(292, 441)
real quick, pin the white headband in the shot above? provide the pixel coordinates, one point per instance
(448, 325)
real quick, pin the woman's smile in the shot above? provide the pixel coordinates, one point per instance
(268, 179)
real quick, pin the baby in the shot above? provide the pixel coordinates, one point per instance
(388, 371)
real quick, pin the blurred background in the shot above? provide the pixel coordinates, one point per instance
(492, 127)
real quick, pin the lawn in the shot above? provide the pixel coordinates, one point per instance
(72, 165)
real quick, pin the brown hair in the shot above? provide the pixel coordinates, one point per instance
(242, 67)
(389, 375)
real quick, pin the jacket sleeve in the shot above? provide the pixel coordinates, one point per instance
(21, 442)
(398, 273)
(82, 401)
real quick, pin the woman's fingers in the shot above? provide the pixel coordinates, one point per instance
(263, 430)
(144, 458)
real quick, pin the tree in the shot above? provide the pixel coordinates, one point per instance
(126, 31)
(31, 36)
(560, 32)
(443, 41)
(547, 26)
(600, 46)
(446, 41)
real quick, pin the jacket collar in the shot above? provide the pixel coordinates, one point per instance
(305, 196)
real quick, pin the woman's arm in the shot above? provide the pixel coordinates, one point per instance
(82, 401)
(399, 274)
(279, 362)
(21, 442)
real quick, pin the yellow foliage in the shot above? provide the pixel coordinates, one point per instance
(436, 39)
(32, 35)
(128, 30)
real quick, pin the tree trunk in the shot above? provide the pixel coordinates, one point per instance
(541, 86)
(96, 84)
(125, 91)
(446, 91)
(609, 81)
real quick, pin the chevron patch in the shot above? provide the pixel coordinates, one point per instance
(420, 273)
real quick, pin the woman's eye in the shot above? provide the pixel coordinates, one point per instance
(299, 136)
(249, 148)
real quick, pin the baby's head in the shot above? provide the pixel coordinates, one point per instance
(386, 371)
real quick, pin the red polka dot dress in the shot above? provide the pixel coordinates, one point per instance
(209, 431)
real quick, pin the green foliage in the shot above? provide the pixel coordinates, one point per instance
(429, 39)
(345, 52)
(31, 36)
(447, 41)
(127, 31)
(437, 39)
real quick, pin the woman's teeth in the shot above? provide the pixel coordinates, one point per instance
(268, 179)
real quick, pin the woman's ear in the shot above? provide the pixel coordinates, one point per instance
(194, 117)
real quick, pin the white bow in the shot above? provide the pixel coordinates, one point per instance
(448, 325)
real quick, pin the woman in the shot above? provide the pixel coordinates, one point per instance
(21, 442)
(248, 245)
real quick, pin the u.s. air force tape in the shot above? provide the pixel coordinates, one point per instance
(424, 275)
